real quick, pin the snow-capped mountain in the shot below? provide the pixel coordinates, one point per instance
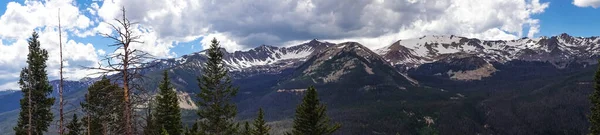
(260, 59)
(267, 55)
(348, 64)
(559, 50)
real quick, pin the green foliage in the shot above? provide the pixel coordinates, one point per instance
(103, 104)
(193, 130)
(427, 130)
(151, 127)
(167, 114)
(34, 84)
(260, 126)
(311, 117)
(594, 116)
(74, 126)
(246, 130)
(216, 110)
(163, 131)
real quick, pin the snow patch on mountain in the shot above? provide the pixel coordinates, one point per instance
(557, 49)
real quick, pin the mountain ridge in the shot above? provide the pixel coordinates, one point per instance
(446, 80)
(557, 49)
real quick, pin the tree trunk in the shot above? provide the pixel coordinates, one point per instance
(127, 111)
(29, 125)
(60, 87)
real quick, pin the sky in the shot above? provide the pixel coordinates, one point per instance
(172, 28)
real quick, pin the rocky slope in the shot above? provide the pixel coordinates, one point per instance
(344, 62)
(559, 50)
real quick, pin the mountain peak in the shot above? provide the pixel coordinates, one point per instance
(314, 41)
(565, 36)
(351, 45)
(265, 47)
(344, 63)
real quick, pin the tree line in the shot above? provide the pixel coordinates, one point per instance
(109, 106)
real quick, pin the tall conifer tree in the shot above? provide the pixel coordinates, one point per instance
(35, 115)
(74, 126)
(311, 117)
(260, 125)
(151, 127)
(246, 130)
(103, 105)
(594, 116)
(167, 113)
(216, 110)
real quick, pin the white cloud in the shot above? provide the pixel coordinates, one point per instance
(19, 21)
(101, 52)
(10, 86)
(276, 22)
(152, 44)
(11, 54)
(93, 9)
(224, 42)
(587, 3)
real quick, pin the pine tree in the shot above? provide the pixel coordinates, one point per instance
(151, 125)
(74, 126)
(103, 104)
(260, 125)
(311, 117)
(92, 126)
(594, 116)
(35, 115)
(216, 111)
(163, 131)
(246, 130)
(193, 130)
(167, 113)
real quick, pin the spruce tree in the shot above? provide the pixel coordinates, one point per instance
(74, 126)
(163, 131)
(167, 113)
(103, 104)
(246, 130)
(594, 116)
(311, 117)
(151, 127)
(35, 115)
(216, 111)
(92, 126)
(193, 130)
(260, 125)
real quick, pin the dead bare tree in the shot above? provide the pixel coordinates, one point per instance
(127, 62)
(61, 128)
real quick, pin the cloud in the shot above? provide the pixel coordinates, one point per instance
(19, 21)
(587, 3)
(101, 52)
(276, 22)
(10, 86)
(224, 42)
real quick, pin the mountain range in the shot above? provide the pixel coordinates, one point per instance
(447, 83)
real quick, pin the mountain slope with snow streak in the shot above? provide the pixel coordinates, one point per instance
(560, 50)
